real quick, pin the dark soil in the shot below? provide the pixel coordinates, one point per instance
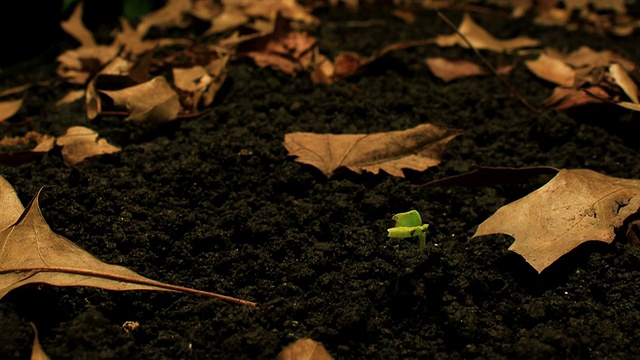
(214, 203)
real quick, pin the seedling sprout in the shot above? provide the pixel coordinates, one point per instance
(409, 224)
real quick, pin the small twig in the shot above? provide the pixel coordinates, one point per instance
(488, 64)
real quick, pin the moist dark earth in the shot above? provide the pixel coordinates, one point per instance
(214, 203)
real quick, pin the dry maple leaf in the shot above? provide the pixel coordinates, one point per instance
(30, 253)
(79, 143)
(418, 148)
(172, 14)
(152, 101)
(304, 349)
(576, 206)
(481, 39)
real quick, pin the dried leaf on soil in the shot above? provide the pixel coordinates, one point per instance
(576, 206)
(30, 253)
(418, 149)
(448, 70)
(9, 108)
(172, 14)
(70, 97)
(75, 27)
(621, 78)
(552, 69)
(304, 349)
(481, 39)
(152, 101)
(79, 143)
(37, 353)
(15, 151)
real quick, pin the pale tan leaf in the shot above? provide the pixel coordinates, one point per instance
(229, 18)
(71, 96)
(629, 105)
(79, 143)
(30, 253)
(218, 70)
(552, 69)
(76, 66)
(9, 108)
(37, 353)
(75, 27)
(574, 207)
(481, 39)
(152, 101)
(626, 83)
(304, 349)
(566, 98)
(15, 90)
(449, 70)
(418, 148)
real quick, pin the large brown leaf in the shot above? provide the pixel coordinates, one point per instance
(418, 148)
(576, 206)
(31, 253)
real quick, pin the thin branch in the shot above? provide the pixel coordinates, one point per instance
(488, 64)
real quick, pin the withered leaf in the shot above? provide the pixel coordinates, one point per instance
(9, 108)
(304, 349)
(552, 69)
(418, 148)
(576, 206)
(621, 78)
(30, 253)
(449, 70)
(37, 353)
(152, 101)
(172, 14)
(75, 27)
(12, 157)
(79, 143)
(481, 39)
(70, 97)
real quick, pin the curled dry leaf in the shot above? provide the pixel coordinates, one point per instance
(566, 98)
(9, 108)
(37, 353)
(152, 101)
(626, 83)
(79, 143)
(481, 39)
(576, 206)
(9, 156)
(448, 70)
(172, 14)
(30, 253)
(304, 349)
(418, 148)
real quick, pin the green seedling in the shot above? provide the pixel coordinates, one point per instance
(409, 224)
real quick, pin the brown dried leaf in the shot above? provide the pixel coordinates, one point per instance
(481, 39)
(576, 206)
(30, 253)
(449, 70)
(43, 143)
(172, 14)
(152, 101)
(230, 18)
(9, 108)
(289, 9)
(566, 98)
(552, 69)
(79, 143)
(418, 148)
(70, 97)
(626, 83)
(37, 353)
(76, 66)
(75, 27)
(304, 349)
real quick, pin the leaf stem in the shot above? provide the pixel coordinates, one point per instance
(144, 281)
